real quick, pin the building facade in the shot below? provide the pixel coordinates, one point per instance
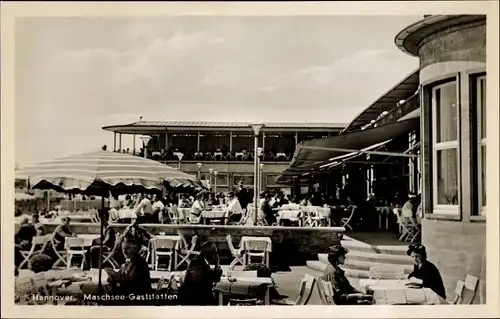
(223, 152)
(452, 53)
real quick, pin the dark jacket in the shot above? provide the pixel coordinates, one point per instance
(197, 289)
(25, 234)
(134, 279)
(430, 276)
(341, 285)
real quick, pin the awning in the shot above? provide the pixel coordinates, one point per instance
(311, 155)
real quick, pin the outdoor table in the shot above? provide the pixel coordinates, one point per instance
(88, 238)
(246, 286)
(394, 292)
(246, 239)
(209, 215)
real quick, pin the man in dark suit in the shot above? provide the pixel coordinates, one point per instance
(197, 289)
(133, 280)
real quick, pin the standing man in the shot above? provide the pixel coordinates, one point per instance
(158, 209)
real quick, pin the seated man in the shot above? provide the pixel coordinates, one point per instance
(233, 210)
(140, 235)
(61, 232)
(133, 278)
(197, 288)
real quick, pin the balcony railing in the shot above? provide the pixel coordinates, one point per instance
(243, 156)
(400, 111)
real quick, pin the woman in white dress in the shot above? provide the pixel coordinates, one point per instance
(197, 209)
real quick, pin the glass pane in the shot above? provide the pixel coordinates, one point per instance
(483, 175)
(447, 177)
(222, 179)
(247, 179)
(482, 105)
(445, 97)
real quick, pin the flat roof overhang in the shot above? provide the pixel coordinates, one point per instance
(410, 38)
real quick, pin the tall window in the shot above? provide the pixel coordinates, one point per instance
(480, 88)
(445, 149)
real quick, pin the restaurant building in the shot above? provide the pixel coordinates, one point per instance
(452, 53)
(433, 141)
(222, 152)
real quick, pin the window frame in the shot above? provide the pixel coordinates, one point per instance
(437, 208)
(479, 141)
(235, 183)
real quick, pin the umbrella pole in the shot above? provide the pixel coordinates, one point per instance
(100, 245)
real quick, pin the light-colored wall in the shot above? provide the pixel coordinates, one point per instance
(456, 244)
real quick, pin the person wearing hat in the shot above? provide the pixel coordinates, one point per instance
(344, 292)
(424, 274)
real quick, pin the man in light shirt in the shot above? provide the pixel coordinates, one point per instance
(233, 210)
(144, 208)
(158, 208)
(197, 209)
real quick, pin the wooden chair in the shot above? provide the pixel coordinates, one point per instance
(305, 290)
(237, 254)
(325, 290)
(164, 247)
(187, 251)
(173, 214)
(256, 249)
(345, 221)
(108, 256)
(459, 289)
(470, 289)
(38, 245)
(322, 218)
(75, 247)
(60, 254)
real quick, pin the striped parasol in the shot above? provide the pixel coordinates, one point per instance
(103, 171)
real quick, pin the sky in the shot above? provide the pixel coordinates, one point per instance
(76, 75)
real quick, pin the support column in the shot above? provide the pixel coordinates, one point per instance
(296, 139)
(263, 141)
(166, 141)
(120, 143)
(114, 141)
(133, 144)
(231, 142)
(198, 143)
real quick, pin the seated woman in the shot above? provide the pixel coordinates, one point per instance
(426, 272)
(344, 293)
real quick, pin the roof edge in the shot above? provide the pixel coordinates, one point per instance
(408, 39)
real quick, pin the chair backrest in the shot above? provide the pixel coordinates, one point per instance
(74, 242)
(164, 243)
(256, 245)
(325, 290)
(173, 213)
(305, 290)
(229, 240)
(386, 272)
(459, 289)
(183, 240)
(194, 241)
(40, 240)
(470, 289)
(324, 212)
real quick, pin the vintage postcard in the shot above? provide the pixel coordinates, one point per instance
(300, 159)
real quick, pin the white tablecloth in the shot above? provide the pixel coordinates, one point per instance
(246, 239)
(374, 284)
(390, 292)
(214, 214)
(289, 214)
(88, 238)
(126, 213)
